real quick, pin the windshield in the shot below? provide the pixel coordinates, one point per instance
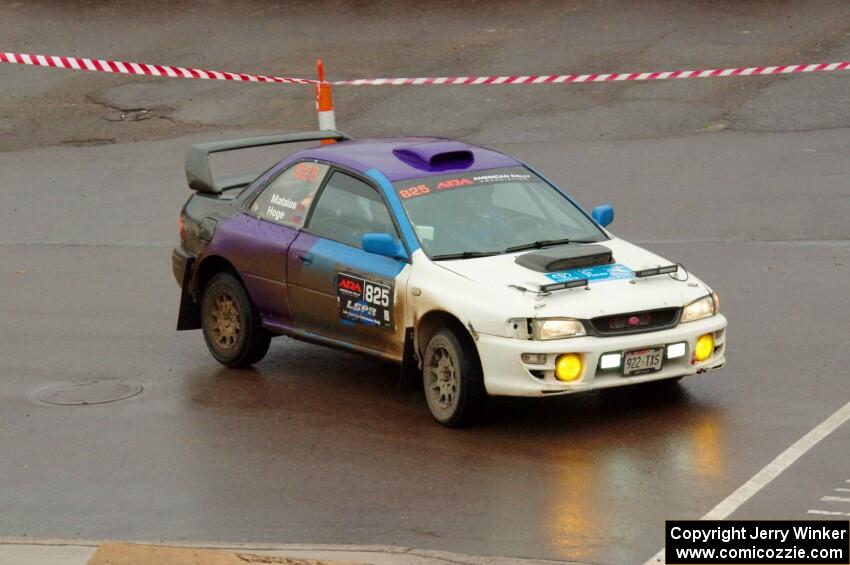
(489, 212)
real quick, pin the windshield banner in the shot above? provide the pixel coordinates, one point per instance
(432, 185)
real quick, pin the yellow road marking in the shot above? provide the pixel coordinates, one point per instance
(137, 554)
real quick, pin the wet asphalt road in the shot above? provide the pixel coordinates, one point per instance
(744, 182)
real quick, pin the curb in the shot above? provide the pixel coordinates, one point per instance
(22, 551)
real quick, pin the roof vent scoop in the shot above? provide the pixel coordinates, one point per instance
(436, 155)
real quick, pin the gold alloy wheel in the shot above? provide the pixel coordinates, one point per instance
(224, 323)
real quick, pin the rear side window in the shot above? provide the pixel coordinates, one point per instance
(287, 198)
(347, 209)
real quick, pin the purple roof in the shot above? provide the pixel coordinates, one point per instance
(415, 156)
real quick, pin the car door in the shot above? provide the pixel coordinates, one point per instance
(264, 232)
(337, 289)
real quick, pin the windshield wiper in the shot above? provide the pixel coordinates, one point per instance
(544, 243)
(465, 255)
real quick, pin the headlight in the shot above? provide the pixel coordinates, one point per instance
(557, 328)
(702, 308)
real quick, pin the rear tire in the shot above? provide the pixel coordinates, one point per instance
(452, 378)
(231, 324)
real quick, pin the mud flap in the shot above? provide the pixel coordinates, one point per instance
(189, 315)
(410, 377)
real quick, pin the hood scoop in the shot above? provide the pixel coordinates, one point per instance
(565, 257)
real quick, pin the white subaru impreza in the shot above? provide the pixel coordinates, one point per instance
(458, 262)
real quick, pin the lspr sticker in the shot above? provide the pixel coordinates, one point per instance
(365, 302)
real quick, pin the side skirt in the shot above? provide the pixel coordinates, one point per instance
(309, 337)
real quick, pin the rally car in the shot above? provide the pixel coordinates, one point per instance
(462, 264)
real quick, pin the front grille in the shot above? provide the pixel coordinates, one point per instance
(636, 322)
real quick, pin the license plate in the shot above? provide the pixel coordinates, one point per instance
(642, 361)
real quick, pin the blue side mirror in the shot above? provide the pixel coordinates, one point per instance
(383, 244)
(603, 215)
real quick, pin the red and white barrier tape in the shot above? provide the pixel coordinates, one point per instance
(107, 66)
(123, 67)
(611, 77)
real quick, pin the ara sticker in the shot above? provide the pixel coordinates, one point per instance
(365, 302)
(432, 185)
(598, 273)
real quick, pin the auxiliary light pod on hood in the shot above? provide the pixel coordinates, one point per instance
(547, 288)
(665, 270)
(565, 257)
(577, 283)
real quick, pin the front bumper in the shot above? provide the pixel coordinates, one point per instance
(505, 374)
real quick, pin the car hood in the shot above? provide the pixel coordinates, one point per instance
(607, 295)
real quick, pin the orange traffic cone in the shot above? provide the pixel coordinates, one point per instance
(324, 103)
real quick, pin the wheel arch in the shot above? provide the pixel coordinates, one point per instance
(209, 267)
(433, 320)
(189, 315)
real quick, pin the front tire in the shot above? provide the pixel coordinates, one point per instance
(231, 324)
(452, 378)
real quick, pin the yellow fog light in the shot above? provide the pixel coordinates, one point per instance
(704, 347)
(568, 367)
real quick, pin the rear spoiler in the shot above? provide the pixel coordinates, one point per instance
(198, 172)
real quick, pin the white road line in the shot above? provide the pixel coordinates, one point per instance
(843, 489)
(835, 499)
(828, 512)
(771, 471)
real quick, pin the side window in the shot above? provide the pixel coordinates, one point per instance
(287, 198)
(347, 209)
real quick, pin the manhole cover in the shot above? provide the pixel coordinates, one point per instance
(92, 392)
